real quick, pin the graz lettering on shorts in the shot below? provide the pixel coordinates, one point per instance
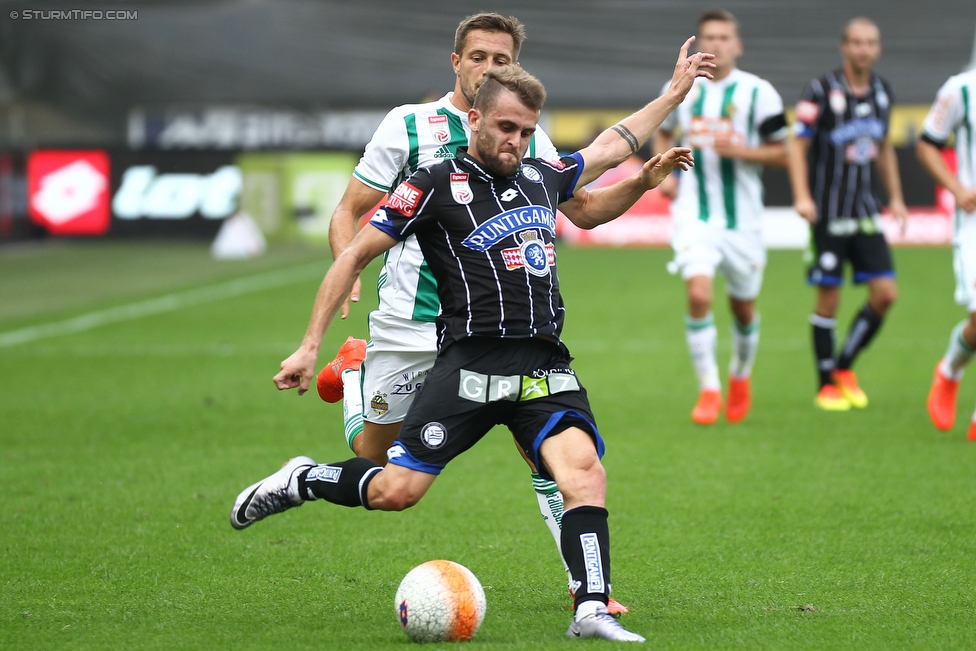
(841, 226)
(478, 387)
(324, 473)
(592, 562)
(508, 223)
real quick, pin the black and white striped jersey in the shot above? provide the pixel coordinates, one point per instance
(489, 241)
(846, 133)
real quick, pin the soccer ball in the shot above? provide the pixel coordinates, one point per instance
(440, 601)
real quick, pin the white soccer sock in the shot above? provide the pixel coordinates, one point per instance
(352, 405)
(551, 506)
(745, 342)
(702, 339)
(957, 355)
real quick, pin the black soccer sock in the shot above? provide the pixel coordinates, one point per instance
(586, 548)
(343, 483)
(823, 346)
(866, 324)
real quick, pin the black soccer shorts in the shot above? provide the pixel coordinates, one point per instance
(858, 241)
(480, 382)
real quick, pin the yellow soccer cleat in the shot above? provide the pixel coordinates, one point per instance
(831, 399)
(847, 383)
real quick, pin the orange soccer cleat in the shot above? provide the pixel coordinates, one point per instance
(972, 431)
(349, 357)
(614, 607)
(829, 398)
(942, 401)
(740, 399)
(708, 406)
(847, 383)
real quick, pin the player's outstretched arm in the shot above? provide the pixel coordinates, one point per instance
(622, 140)
(299, 368)
(588, 209)
(356, 201)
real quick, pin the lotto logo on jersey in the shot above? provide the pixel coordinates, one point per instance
(807, 111)
(439, 128)
(405, 199)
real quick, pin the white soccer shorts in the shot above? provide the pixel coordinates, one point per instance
(703, 250)
(964, 261)
(390, 380)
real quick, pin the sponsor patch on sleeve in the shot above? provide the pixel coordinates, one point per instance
(807, 111)
(405, 199)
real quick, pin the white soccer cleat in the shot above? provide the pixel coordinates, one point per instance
(602, 625)
(271, 495)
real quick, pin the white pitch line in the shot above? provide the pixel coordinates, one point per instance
(167, 303)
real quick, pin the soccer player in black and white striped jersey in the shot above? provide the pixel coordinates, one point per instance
(841, 128)
(486, 225)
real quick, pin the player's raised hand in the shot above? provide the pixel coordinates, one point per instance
(689, 68)
(657, 169)
(297, 371)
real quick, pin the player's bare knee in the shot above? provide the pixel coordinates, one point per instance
(883, 298)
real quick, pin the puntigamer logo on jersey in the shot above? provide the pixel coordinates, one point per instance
(405, 199)
(510, 222)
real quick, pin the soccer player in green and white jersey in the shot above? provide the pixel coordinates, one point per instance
(735, 125)
(954, 113)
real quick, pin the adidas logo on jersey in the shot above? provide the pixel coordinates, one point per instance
(444, 153)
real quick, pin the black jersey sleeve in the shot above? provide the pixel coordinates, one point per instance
(403, 214)
(568, 170)
(810, 109)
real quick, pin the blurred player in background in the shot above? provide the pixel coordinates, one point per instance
(954, 113)
(735, 125)
(841, 127)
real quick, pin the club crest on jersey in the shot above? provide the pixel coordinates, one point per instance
(405, 199)
(534, 255)
(510, 222)
(460, 189)
(531, 174)
(838, 101)
(433, 435)
(439, 129)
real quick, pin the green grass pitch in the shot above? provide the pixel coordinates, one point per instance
(125, 437)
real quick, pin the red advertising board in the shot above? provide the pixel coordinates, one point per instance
(68, 191)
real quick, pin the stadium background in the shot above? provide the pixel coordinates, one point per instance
(135, 393)
(289, 91)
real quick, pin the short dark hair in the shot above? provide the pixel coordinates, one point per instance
(721, 15)
(490, 22)
(857, 20)
(527, 88)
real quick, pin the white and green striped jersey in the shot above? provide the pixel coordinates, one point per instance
(954, 112)
(725, 192)
(410, 137)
